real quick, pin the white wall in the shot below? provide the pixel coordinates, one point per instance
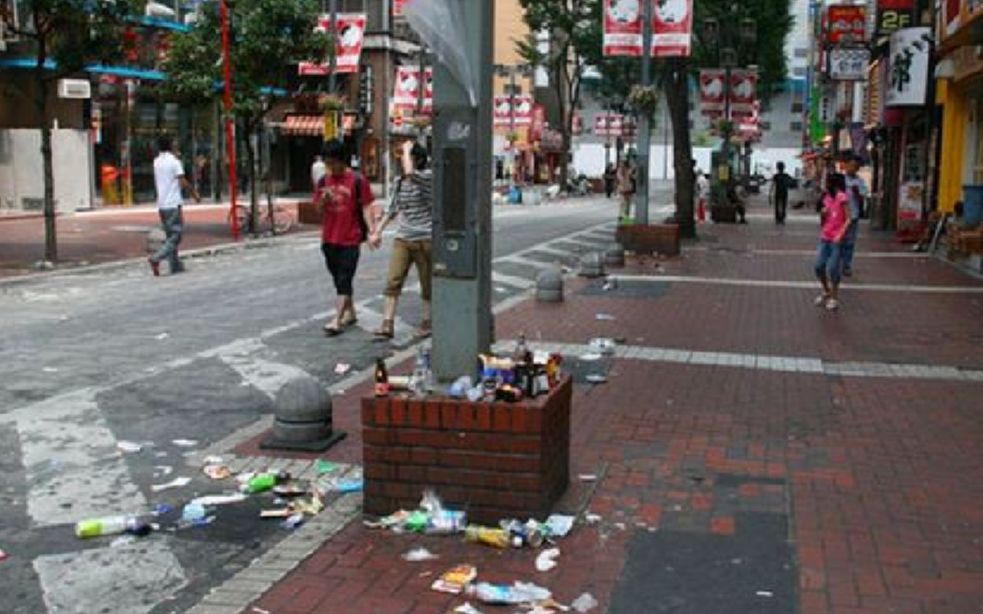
(588, 158)
(22, 171)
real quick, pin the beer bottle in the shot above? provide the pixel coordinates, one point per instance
(381, 378)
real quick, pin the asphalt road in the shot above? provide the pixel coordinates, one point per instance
(92, 359)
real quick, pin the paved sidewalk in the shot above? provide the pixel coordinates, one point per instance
(753, 453)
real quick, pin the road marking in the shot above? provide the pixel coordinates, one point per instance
(763, 362)
(133, 578)
(72, 465)
(811, 285)
(530, 262)
(265, 375)
(547, 248)
(512, 280)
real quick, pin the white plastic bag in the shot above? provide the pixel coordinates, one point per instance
(440, 23)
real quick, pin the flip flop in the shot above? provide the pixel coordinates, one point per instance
(332, 331)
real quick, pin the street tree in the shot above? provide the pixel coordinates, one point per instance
(573, 29)
(64, 37)
(267, 39)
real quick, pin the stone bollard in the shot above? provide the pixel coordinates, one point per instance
(592, 265)
(155, 238)
(614, 255)
(549, 286)
(302, 419)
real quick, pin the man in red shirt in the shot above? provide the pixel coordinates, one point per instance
(345, 201)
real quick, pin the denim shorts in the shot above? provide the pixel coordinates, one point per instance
(828, 261)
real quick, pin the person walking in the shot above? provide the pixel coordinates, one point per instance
(609, 178)
(702, 195)
(412, 203)
(318, 170)
(834, 219)
(168, 180)
(856, 190)
(626, 187)
(780, 183)
(344, 200)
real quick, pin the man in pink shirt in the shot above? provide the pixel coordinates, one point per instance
(834, 224)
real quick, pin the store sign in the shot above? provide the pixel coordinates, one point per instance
(848, 63)
(348, 47)
(406, 89)
(613, 124)
(895, 15)
(907, 73)
(950, 16)
(712, 91)
(845, 24)
(503, 113)
(399, 6)
(672, 27)
(743, 92)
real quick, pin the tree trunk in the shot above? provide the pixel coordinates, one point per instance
(677, 96)
(253, 200)
(50, 233)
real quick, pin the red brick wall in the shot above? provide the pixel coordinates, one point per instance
(494, 460)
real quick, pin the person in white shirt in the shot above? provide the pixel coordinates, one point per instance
(169, 179)
(318, 170)
(702, 195)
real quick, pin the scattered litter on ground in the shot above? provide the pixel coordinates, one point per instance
(587, 477)
(212, 459)
(503, 594)
(260, 610)
(277, 513)
(592, 518)
(160, 454)
(175, 483)
(419, 554)
(122, 540)
(293, 521)
(602, 345)
(217, 472)
(590, 357)
(193, 512)
(311, 507)
(322, 466)
(559, 524)
(455, 579)
(162, 471)
(343, 486)
(595, 378)
(610, 284)
(288, 491)
(765, 594)
(162, 336)
(547, 559)
(112, 525)
(466, 608)
(184, 443)
(162, 508)
(620, 526)
(605, 317)
(342, 368)
(584, 603)
(128, 447)
(3, 555)
(210, 500)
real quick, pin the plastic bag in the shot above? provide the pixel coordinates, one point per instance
(440, 23)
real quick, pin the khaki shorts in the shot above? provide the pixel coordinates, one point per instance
(404, 254)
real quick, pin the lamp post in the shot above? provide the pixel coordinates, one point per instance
(230, 145)
(644, 123)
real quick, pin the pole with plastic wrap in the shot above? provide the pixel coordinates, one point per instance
(460, 35)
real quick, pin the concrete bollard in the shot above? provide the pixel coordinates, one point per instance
(302, 417)
(592, 265)
(549, 286)
(614, 255)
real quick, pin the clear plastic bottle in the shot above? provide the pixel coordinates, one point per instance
(110, 525)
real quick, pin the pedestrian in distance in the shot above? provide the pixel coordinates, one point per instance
(412, 204)
(780, 183)
(626, 188)
(318, 170)
(610, 175)
(169, 179)
(834, 219)
(702, 195)
(856, 190)
(344, 200)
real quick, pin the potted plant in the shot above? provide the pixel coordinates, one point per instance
(644, 99)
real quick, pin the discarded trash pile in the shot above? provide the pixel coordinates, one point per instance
(432, 518)
(293, 500)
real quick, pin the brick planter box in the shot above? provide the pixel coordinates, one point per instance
(649, 238)
(494, 460)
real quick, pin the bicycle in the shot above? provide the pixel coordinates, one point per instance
(278, 218)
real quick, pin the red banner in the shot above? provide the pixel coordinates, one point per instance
(406, 89)
(538, 122)
(672, 27)
(845, 23)
(712, 90)
(743, 92)
(503, 112)
(398, 7)
(348, 48)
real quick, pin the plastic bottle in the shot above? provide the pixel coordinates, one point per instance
(261, 483)
(111, 525)
(496, 538)
(501, 594)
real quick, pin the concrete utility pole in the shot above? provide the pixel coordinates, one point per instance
(462, 201)
(332, 78)
(644, 123)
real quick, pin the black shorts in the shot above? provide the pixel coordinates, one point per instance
(342, 261)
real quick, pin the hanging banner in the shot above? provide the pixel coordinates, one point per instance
(503, 112)
(845, 23)
(348, 47)
(398, 6)
(406, 89)
(743, 91)
(907, 80)
(950, 19)
(712, 90)
(848, 63)
(611, 124)
(538, 123)
(672, 27)
(894, 15)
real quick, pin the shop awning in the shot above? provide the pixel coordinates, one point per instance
(303, 125)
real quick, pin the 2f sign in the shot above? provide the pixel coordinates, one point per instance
(893, 19)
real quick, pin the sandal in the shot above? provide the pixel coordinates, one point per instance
(424, 330)
(386, 330)
(331, 330)
(349, 322)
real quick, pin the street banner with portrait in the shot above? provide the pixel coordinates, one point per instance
(406, 89)
(672, 27)
(348, 45)
(503, 112)
(712, 91)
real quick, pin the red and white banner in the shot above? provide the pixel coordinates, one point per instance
(503, 112)
(712, 90)
(743, 92)
(538, 123)
(846, 23)
(672, 27)
(406, 89)
(611, 124)
(398, 6)
(348, 47)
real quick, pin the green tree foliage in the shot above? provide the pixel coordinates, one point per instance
(267, 40)
(64, 36)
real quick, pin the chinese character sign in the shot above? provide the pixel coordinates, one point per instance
(848, 63)
(348, 46)
(907, 74)
(845, 24)
(672, 27)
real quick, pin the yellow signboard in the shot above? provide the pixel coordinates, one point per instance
(330, 125)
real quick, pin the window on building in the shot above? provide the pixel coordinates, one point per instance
(796, 107)
(795, 126)
(801, 52)
(799, 71)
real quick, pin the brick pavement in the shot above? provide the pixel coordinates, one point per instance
(878, 480)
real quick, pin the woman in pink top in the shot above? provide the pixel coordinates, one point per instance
(834, 223)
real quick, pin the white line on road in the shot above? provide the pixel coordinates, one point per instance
(765, 283)
(512, 280)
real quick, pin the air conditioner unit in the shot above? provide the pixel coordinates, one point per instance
(74, 88)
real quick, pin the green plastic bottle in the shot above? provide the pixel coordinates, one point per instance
(261, 483)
